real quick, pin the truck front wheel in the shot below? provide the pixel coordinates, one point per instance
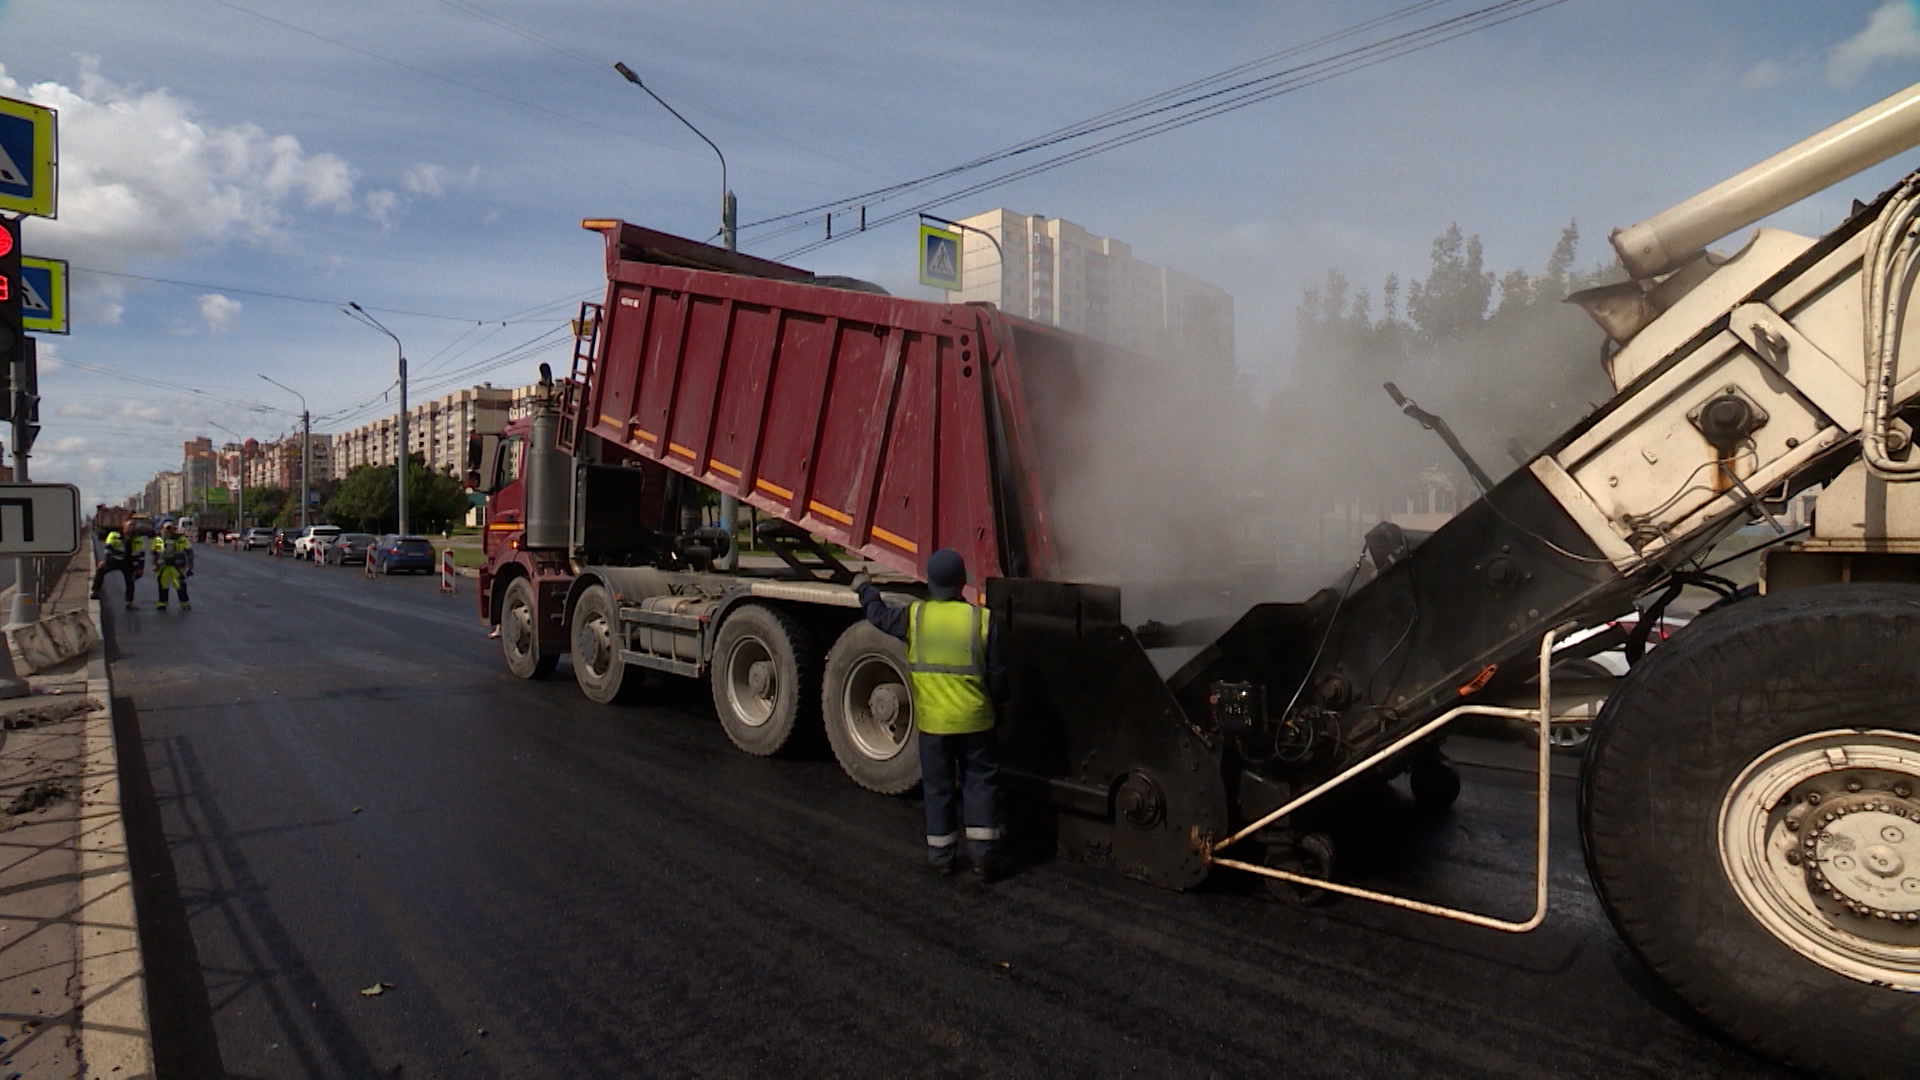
(1750, 810)
(597, 643)
(763, 672)
(867, 705)
(519, 633)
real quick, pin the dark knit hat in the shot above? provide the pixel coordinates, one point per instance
(946, 574)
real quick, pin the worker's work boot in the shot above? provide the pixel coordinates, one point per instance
(184, 606)
(989, 865)
(941, 861)
(161, 606)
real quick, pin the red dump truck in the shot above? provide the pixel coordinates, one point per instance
(1750, 797)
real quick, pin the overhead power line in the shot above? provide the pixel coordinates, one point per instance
(241, 291)
(1250, 94)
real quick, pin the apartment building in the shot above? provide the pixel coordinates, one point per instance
(437, 430)
(1053, 271)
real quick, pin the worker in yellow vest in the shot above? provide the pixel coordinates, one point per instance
(952, 649)
(173, 563)
(118, 560)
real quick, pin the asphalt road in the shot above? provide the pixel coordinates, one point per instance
(334, 785)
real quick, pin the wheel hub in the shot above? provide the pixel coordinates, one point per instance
(760, 678)
(884, 703)
(1820, 839)
(1862, 860)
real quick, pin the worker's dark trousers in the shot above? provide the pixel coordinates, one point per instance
(963, 766)
(100, 577)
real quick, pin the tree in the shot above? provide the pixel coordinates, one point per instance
(365, 499)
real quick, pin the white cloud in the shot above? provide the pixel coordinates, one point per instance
(79, 411)
(381, 205)
(219, 312)
(144, 176)
(1762, 75)
(142, 410)
(72, 444)
(1892, 34)
(425, 179)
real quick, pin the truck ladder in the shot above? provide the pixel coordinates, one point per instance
(573, 391)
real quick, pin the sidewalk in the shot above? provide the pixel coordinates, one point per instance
(72, 985)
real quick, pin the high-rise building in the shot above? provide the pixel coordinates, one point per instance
(1053, 271)
(196, 468)
(437, 431)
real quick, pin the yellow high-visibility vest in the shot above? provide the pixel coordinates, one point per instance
(947, 660)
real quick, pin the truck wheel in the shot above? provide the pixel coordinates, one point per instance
(597, 666)
(867, 705)
(1750, 811)
(519, 641)
(764, 668)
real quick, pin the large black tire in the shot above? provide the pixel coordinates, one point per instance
(866, 702)
(597, 667)
(520, 633)
(764, 673)
(1702, 787)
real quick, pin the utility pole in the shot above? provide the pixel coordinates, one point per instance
(401, 351)
(26, 411)
(729, 505)
(306, 446)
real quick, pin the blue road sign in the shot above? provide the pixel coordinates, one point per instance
(28, 155)
(43, 295)
(939, 257)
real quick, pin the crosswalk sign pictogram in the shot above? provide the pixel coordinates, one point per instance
(939, 257)
(43, 295)
(28, 156)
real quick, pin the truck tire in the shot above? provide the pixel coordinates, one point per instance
(867, 706)
(1750, 812)
(519, 634)
(763, 675)
(597, 667)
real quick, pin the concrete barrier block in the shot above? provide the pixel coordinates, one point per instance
(53, 640)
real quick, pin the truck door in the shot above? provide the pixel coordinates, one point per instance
(506, 506)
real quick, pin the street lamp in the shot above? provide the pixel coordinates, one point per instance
(401, 351)
(306, 445)
(240, 480)
(729, 506)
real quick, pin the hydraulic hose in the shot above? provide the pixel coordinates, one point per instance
(1887, 284)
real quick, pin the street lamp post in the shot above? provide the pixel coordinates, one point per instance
(401, 352)
(240, 480)
(729, 505)
(306, 445)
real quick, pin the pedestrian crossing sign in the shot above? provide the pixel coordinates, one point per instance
(939, 257)
(43, 295)
(27, 158)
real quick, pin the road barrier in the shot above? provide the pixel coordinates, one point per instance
(446, 570)
(369, 570)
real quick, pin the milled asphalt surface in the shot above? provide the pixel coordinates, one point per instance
(334, 785)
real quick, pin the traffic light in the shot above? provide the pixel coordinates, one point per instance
(13, 336)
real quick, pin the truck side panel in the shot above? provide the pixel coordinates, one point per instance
(863, 419)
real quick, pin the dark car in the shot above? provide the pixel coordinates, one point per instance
(349, 549)
(392, 553)
(283, 539)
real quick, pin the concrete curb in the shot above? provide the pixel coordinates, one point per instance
(116, 1037)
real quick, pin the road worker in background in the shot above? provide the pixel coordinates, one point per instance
(173, 562)
(952, 649)
(118, 558)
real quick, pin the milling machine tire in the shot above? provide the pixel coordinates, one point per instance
(867, 706)
(764, 673)
(603, 677)
(1713, 767)
(519, 635)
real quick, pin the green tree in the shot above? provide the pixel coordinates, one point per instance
(365, 499)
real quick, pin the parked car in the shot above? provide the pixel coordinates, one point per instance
(254, 538)
(282, 543)
(348, 549)
(392, 552)
(313, 536)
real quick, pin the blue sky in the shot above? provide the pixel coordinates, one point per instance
(435, 158)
